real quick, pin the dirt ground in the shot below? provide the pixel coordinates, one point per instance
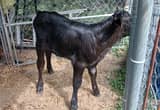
(18, 92)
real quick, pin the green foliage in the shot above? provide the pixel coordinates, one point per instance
(118, 83)
(6, 4)
(119, 104)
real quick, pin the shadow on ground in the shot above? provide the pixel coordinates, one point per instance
(18, 92)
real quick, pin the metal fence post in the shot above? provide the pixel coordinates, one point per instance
(141, 19)
(18, 35)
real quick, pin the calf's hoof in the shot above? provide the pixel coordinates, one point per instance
(74, 107)
(96, 93)
(51, 71)
(39, 88)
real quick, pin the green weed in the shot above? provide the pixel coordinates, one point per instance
(118, 84)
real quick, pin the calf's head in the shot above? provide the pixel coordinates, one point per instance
(122, 18)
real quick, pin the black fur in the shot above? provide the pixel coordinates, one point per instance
(84, 44)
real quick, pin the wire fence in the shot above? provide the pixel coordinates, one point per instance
(156, 73)
(92, 7)
(156, 76)
(86, 11)
(91, 11)
(154, 95)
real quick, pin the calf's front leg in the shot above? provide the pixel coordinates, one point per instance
(93, 74)
(77, 80)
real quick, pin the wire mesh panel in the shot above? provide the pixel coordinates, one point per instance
(156, 81)
(87, 11)
(93, 6)
(154, 95)
(156, 76)
(88, 7)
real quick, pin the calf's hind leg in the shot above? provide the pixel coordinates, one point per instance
(49, 65)
(40, 66)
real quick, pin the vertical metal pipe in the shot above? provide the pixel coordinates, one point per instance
(2, 38)
(12, 42)
(24, 9)
(18, 34)
(16, 9)
(33, 33)
(4, 47)
(8, 41)
(141, 19)
(130, 5)
(132, 31)
(34, 37)
(35, 5)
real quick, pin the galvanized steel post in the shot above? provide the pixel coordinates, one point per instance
(141, 19)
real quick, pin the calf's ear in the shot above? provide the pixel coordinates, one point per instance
(117, 18)
(117, 14)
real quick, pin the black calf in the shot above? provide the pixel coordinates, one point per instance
(84, 44)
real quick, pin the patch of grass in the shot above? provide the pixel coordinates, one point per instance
(117, 83)
(118, 52)
(119, 104)
(121, 47)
